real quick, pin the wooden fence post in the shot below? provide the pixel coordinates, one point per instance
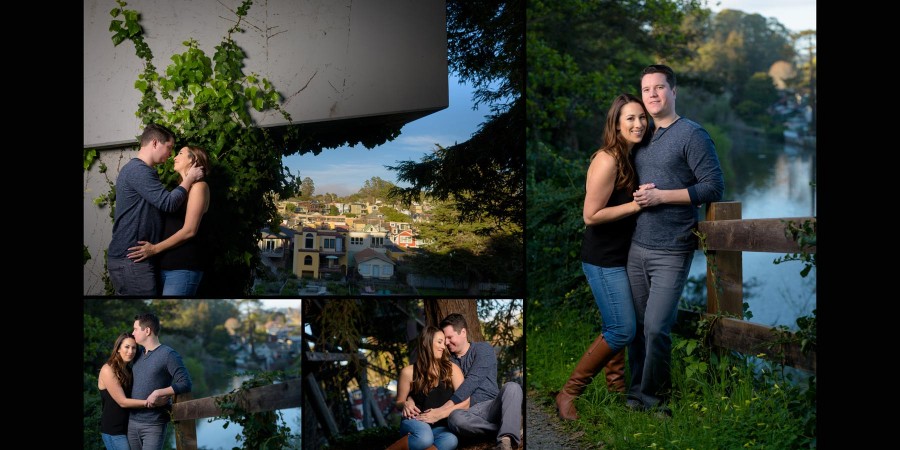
(726, 266)
(185, 430)
(320, 407)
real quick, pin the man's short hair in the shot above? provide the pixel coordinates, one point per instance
(456, 320)
(149, 320)
(663, 69)
(158, 132)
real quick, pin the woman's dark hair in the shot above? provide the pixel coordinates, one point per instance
(615, 145)
(428, 368)
(119, 366)
(200, 159)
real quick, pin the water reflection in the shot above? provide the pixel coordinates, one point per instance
(772, 180)
(212, 435)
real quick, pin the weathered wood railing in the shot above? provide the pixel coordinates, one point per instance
(260, 399)
(726, 236)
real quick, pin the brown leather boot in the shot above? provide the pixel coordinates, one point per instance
(401, 444)
(615, 372)
(596, 356)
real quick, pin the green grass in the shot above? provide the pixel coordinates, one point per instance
(717, 401)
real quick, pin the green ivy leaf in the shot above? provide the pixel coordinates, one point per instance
(89, 157)
(691, 346)
(133, 29)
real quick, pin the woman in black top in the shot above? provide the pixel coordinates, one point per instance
(429, 383)
(114, 383)
(609, 218)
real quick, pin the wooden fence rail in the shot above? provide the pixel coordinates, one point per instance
(185, 411)
(726, 236)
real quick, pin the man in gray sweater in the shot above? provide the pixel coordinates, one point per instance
(159, 373)
(141, 200)
(681, 160)
(494, 413)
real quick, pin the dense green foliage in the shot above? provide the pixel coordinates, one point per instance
(307, 188)
(373, 189)
(474, 251)
(484, 176)
(392, 215)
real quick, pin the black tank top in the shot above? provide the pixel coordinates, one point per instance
(190, 255)
(114, 418)
(607, 244)
(435, 398)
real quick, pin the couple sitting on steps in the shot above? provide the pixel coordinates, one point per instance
(445, 395)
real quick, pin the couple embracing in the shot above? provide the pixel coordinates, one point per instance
(451, 391)
(643, 188)
(158, 245)
(136, 385)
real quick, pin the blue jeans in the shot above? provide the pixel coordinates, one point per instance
(657, 281)
(146, 436)
(422, 435)
(115, 441)
(131, 278)
(180, 282)
(612, 292)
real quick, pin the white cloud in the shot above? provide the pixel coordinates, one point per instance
(424, 143)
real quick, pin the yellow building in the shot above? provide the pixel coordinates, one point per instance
(320, 253)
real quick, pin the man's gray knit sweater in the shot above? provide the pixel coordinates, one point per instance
(140, 197)
(479, 367)
(154, 370)
(678, 157)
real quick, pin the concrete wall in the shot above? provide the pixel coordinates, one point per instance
(97, 222)
(331, 59)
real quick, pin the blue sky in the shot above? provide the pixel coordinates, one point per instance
(796, 15)
(343, 170)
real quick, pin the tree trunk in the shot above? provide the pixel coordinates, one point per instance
(436, 310)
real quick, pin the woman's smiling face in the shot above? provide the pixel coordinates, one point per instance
(632, 122)
(437, 344)
(127, 349)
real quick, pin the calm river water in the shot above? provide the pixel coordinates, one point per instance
(211, 435)
(772, 180)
